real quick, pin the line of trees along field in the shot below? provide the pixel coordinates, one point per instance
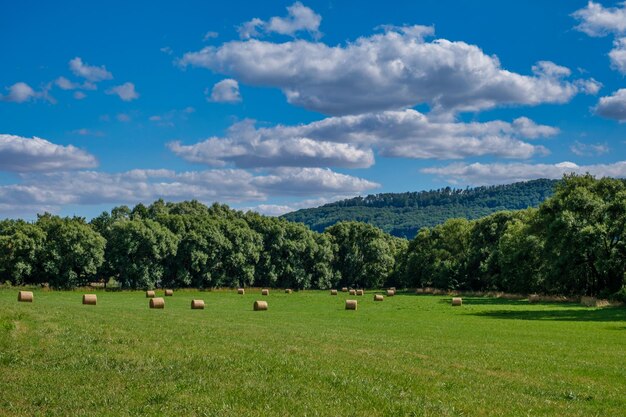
(574, 243)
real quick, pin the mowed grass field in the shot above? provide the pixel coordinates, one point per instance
(306, 356)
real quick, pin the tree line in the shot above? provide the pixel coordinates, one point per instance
(573, 243)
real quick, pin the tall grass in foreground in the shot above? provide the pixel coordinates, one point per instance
(307, 356)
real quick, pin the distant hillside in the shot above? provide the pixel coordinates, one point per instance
(403, 214)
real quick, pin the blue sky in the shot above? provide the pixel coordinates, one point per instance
(276, 106)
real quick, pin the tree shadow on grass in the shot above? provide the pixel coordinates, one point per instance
(607, 314)
(487, 301)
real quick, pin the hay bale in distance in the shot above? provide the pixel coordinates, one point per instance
(588, 301)
(197, 304)
(351, 304)
(378, 297)
(359, 292)
(457, 301)
(260, 305)
(169, 293)
(534, 298)
(287, 291)
(241, 291)
(150, 294)
(344, 289)
(391, 293)
(333, 292)
(265, 291)
(90, 299)
(157, 302)
(392, 288)
(352, 292)
(25, 296)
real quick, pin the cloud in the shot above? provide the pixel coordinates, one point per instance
(618, 55)
(79, 95)
(88, 72)
(125, 91)
(225, 91)
(350, 141)
(501, 173)
(589, 149)
(597, 20)
(386, 71)
(210, 35)
(131, 187)
(88, 132)
(19, 93)
(280, 209)
(19, 154)
(299, 18)
(166, 50)
(613, 106)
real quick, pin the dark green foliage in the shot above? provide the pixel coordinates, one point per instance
(21, 246)
(72, 252)
(403, 214)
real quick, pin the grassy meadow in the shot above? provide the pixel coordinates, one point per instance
(409, 355)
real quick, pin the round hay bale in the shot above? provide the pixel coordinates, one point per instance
(359, 292)
(197, 304)
(457, 301)
(260, 305)
(287, 291)
(157, 302)
(344, 289)
(169, 293)
(391, 293)
(241, 291)
(150, 294)
(25, 296)
(352, 292)
(90, 299)
(534, 298)
(378, 297)
(351, 304)
(265, 291)
(333, 292)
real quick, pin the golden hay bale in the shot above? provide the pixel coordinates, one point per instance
(333, 292)
(90, 299)
(157, 302)
(391, 293)
(150, 294)
(287, 291)
(457, 301)
(359, 292)
(378, 297)
(169, 293)
(260, 305)
(419, 291)
(241, 291)
(352, 292)
(265, 291)
(351, 304)
(344, 289)
(25, 296)
(392, 288)
(534, 298)
(197, 304)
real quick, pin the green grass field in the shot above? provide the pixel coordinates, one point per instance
(307, 356)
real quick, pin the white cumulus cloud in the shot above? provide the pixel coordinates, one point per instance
(613, 106)
(19, 154)
(89, 72)
(597, 20)
(389, 70)
(350, 141)
(124, 91)
(225, 91)
(299, 18)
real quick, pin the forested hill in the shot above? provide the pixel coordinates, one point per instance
(403, 214)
